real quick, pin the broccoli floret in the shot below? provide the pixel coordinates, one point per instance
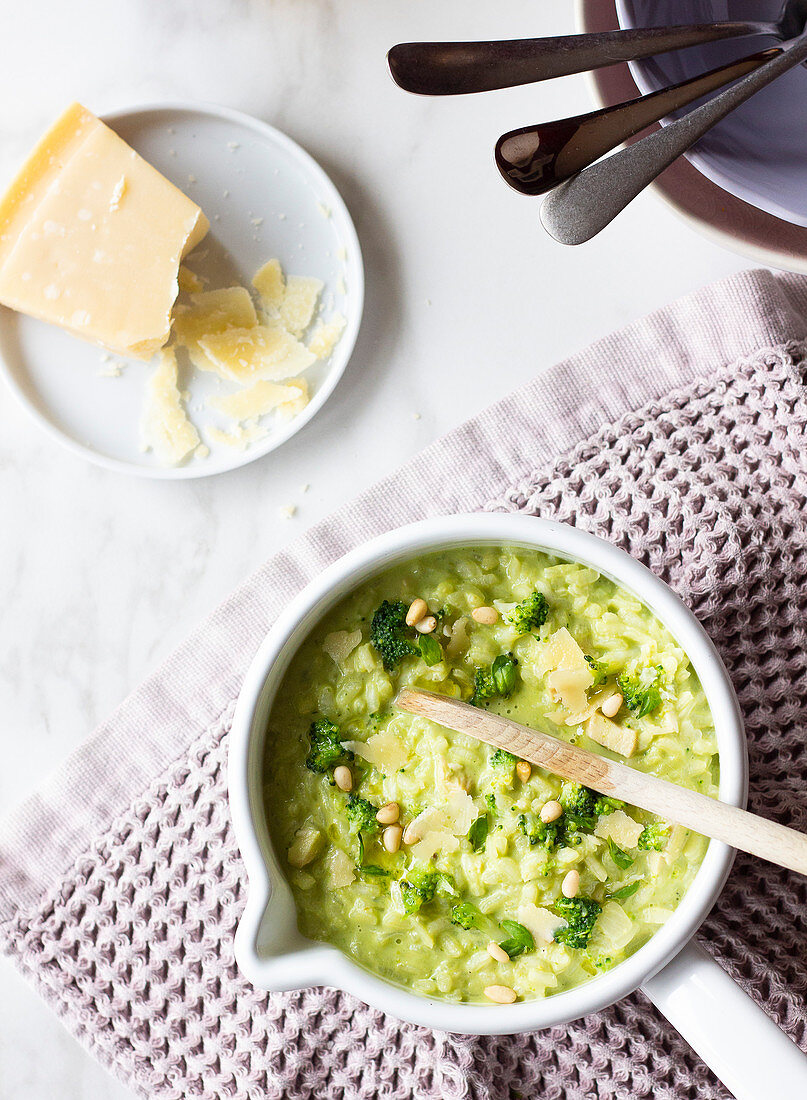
(361, 815)
(499, 681)
(387, 634)
(483, 687)
(504, 763)
(467, 916)
(421, 886)
(530, 614)
(579, 806)
(580, 915)
(654, 836)
(642, 691)
(598, 671)
(326, 747)
(548, 836)
(490, 799)
(582, 806)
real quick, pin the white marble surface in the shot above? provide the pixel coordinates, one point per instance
(101, 575)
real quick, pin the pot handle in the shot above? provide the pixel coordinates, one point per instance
(750, 1054)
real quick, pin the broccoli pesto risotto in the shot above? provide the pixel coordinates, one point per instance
(451, 868)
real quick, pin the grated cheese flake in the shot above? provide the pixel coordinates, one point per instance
(252, 403)
(326, 336)
(299, 302)
(383, 750)
(621, 828)
(256, 354)
(165, 427)
(340, 644)
(270, 284)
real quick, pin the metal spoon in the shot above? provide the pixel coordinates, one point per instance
(579, 208)
(534, 159)
(454, 68)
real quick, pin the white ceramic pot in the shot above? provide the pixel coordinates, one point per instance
(724, 1025)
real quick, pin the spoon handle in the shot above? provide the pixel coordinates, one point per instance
(534, 159)
(579, 208)
(736, 827)
(454, 68)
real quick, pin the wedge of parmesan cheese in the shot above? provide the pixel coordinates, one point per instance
(270, 285)
(383, 750)
(326, 336)
(299, 302)
(248, 355)
(620, 739)
(165, 427)
(255, 402)
(340, 644)
(621, 828)
(540, 922)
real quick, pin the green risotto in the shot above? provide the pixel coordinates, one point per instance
(447, 867)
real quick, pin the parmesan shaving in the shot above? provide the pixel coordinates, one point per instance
(621, 828)
(270, 284)
(620, 739)
(165, 426)
(540, 922)
(254, 354)
(383, 750)
(257, 401)
(299, 302)
(437, 841)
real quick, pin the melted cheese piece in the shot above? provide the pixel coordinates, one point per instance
(340, 644)
(257, 401)
(621, 828)
(326, 336)
(165, 427)
(299, 302)
(340, 868)
(91, 238)
(256, 354)
(437, 841)
(383, 750)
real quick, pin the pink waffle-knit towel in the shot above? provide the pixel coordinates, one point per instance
(681, 439)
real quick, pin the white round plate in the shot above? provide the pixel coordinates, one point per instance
(265, 198)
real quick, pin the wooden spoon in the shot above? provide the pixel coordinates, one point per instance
(736, 827)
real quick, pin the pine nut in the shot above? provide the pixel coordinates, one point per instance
(411, 834)
(417, 609)
(500, 994)
(498, 953)
(427, 625)
(487, 616)
(570, 887)
(391, 838)
(523, 771)
(388, 814)
(611, 705)
(343, 777)
(551, 811)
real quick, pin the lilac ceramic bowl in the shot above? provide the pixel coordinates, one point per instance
(758, 153)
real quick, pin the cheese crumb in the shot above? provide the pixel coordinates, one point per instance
(326, 336)
(287, 511)
(239, 439)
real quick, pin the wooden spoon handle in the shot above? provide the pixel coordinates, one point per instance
(736, 827)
